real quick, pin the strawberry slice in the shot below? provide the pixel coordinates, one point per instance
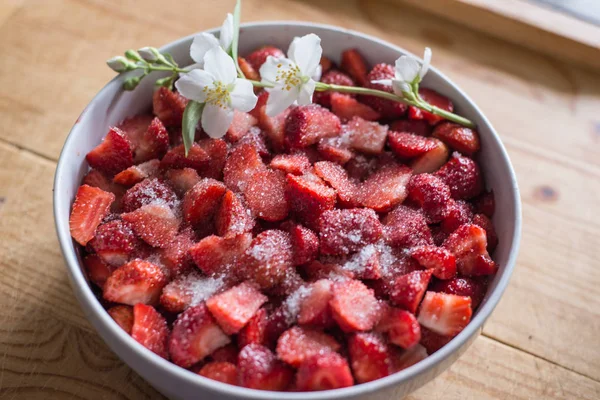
(175, 256)
(168, 106)
(306, 125)
(469, 245)
(335, 149)
(150, 329)
(258, 368)
(346, 108)
(135, 282)
(233, 218)
(435, 99)
(265, 195)
(438, 259)
(354, 306)
(255, 330)
(431, 194)
(484, 204)
(294, 164)
(227, 353)
(135, 127)
(324, 372)
(389, 109)
(137, 173)
(220, 371)
(421, 128)
(458, 213)
(90, 207)
(432, 160)
(473, 288)
(409, 145)
(153, 144)
(182, 180)
(407, 290)
(258, 57)
(195, 335)
(215, 254)
(366, 137)
(197, 158)
(491, 235)
(240, 125)
(248, 70)
(336, 176)
(256, 137)
(188, 290)
(97, 270)
(234, 307)
(355, 65)
(274, 127)
(332, 77)
(365, 264)
(113, 155)
(314, 308)
(369, 357)
(401, 326)
(297, 345)
(385, 188)
(156, 224)
(309, 197)
(115, 243)
(458, 137)
(305, 244)
(99, 180)
(123, 316)
(201, 202)
(432, 341)
(361, 167)
(463, 176)
(149, 191)
(241, 164)
(445, 314)
(347, 231)
(404, 359)
(326, 64)
(406, 227)
(217, 153)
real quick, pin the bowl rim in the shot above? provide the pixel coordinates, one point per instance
(90, 303)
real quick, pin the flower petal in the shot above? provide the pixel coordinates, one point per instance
(318, 73)
(191, 84)
(272, 66)
(242, 96)
(201, 44)
(280, 99)
(407, 69)
(386, 82)
(306, 93)
(306, 52)
(216, 120)
(400, 87)
(220, 65)
(426, 62)
(226, 34)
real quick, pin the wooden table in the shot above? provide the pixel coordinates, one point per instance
(543, 341)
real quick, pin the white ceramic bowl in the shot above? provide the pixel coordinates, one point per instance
(112, 105)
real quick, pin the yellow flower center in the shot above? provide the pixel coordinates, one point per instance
(291, 77)
(217, 95)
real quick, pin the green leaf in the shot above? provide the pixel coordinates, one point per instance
(191, 116)
(237, 11)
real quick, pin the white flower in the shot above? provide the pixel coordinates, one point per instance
(408, 71)
(118, 63)
(203, 42)
(220, 89)
(293, 78)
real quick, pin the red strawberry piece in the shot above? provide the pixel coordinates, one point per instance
(258, 109)
(485, 204)
(305, 244)
(361, 167)
(438, 259)
(214, 254)
(154, 223)
(115, 243)
(97, 270)
(90, 207)
(241, 164)
(463, 176)
(354, 306)
(421, 128)
(364, 264)
(432, 160)
(234, 307)
(326, 64)
(182, 180)
(137, 173)
(135, 282)
(149, 191)
(255, 330)
(227, 353)
(435, 99)
(406, 227)
(240, 125)
(314, 307)
(197, 158)
(150, 329)
(294, 164)
(201, 202)
(274, 127)
(265, 195)
(217, 153)
(97, 179)
(248, 70)
(324, 372)
(401, 326)
(153, 144)
(473, 288)
(336, 176)
(277, 322)
(268, 259)
(220, 371)
(458, 137)
(432, 341)
(335, 149)
(406, 291)
(258, 368)
(135, 127)
(385, 188)
(309, 197)
(388, 108)
(113, 155)
(369, 357)
(195, 335)
(404, 359)
(175, 256)
(409, 145)
(258, 57)
(297, 345)
(123, 316)
(458, 213)
(187, 290)
(469, 245)
(168, 106)
(365, 136)
(347, 107)
(233, 218)
(306, 125)
(492, 238)
(355, 65)
(347, 231)
(318, 270)
(257, 138)
(445, 314)
(431, 194)
(332, 77)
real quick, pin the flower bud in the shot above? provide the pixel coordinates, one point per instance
(131, 83)
(118, 64)
(148, 53)
(133, 55)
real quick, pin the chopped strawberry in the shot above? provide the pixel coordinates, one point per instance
(135, 127)
(274, 127)
(492, 238)
(227, 353)
(406, 291)
(369, 357)
(297, 345)
(409, 145)
(265, 195)
(354, 306)
(355, 65)
(168, 106)
(431, 194)
(241, 124)
(406, 227)
(294, 164)
(306, 125)
(113, 155)
(438, 259)
(404, 359)
(217, 153)
(326, 64)
(153, 144)
(324, 372)
(99, 180)
(401, 326)
(388, 108)
(197, 158)
(318, 270)
(258, 368)
(257, 58)
(90, 207)
(187, 290)
(314, 307)
(135, 282)
(97, 270)
(115, 243)
(421, 128)
(432, 160)
(195, 335)
(256, 137)
(258, 109)
(458, 213)
(463, 176)
(432, 341)
(220, 371)
(346, 231)
(248, 70)
(309, 197)
(474, 288)
(150, 329)
(182, 180)
(468, 244)
(214, 254)
(347, 107)
(485, 204)
(305, 244)
(175, 256)
(236, 306)
(445, 314)
(335, 149)
(137, 173)
(241, 164)
(365, 136)
(201, 202)
(233, 218)
(332, 77)
(361, 167)
(123, 316)
(156, 224)
(435, 99)
(149, 191)
(255, 330)
(277, 322)
(386, 188)
(459, 138)
(336, 176)
(365, 264)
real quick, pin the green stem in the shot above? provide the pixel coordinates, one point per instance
(152, 68)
